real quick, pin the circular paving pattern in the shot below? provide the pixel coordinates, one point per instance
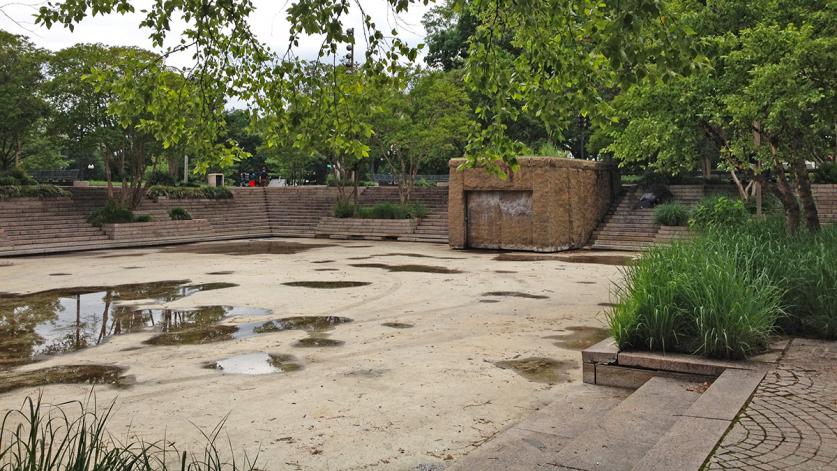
(791, 423)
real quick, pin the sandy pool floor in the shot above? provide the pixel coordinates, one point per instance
(388, 398)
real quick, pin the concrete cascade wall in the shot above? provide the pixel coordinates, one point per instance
(549, 204)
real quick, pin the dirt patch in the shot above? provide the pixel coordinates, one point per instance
(313, 342)
(515, 294)
(307, 323)
(69, 374)
(257, 247)
(407, 268)
(398, 325)
(539, 369)
(368, 373)
(327, 284)
(580, 337)
(258, 363)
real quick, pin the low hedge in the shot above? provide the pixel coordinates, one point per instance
(179, 214)
(32, 191)
(186, 192)
(381, 211)
(113, 213)
(671, 214)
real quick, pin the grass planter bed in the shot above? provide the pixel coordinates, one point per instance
(724, 293)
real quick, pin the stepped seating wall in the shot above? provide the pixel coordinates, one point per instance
(31, 225)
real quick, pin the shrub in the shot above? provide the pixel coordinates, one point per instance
(332, 180)
(179, 214)
(143, 218)
(112, 213)
(671, 214)
(16, 176)
(185, 192)
(160, 177)
(825, 172)
(392, 211)
(718, 212)
(32, 191)
(344, 209)
(424, 183)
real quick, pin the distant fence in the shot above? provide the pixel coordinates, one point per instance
(56, 176)
(387, 179)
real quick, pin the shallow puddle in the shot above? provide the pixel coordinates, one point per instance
(120, 255)
(515, 294)
(255, 247)
(70, 319)
(398, 325)
(568, 258)
(407, 268)
(404, 254)
(194, 335)
(326, 269)
(308, 323)
(489, 301)
(579, 337)
(222, 272)
(504, 271)
(323, 261)
(586, 282)
(68, 374)
(313, 342)
(608, 304)
(60, 274)
(258, 363)
(368, 373)
(132, 268)
(539, 369)
(327, 284)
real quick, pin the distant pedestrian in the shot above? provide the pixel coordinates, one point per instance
(263, 176)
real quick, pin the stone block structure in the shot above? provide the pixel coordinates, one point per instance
(548, 205)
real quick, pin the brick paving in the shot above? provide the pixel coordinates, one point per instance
(791, 421)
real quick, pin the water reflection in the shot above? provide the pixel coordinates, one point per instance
(66, 320)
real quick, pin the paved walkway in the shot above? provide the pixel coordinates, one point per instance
(791, 421)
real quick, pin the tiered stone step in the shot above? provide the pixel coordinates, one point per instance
(626, 228)
(163, 229)
(296, 211)
(432, 228)
(665, 424)
(33, 224)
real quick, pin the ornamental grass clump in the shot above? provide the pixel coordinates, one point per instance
(687, 298)
(671, 214)
(724, 293)
(74, 436)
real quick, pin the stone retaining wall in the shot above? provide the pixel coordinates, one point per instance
(157, 229)
(348, 228)
(826, 198)
(549, 204)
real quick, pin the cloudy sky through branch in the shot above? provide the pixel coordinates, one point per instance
(268, 22)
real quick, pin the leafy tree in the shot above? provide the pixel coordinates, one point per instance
(449, 27)
(21, 106)
(764, 105)
(420, 121)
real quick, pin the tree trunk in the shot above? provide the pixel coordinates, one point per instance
(785, 193)
(806, 197)
(108, 176)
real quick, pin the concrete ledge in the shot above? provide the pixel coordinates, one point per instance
(157, 229)
(606, 365)
(355, 228)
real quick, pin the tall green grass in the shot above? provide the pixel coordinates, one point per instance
(52, 438)
(725, 292)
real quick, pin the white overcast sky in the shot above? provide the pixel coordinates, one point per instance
(268, 22)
